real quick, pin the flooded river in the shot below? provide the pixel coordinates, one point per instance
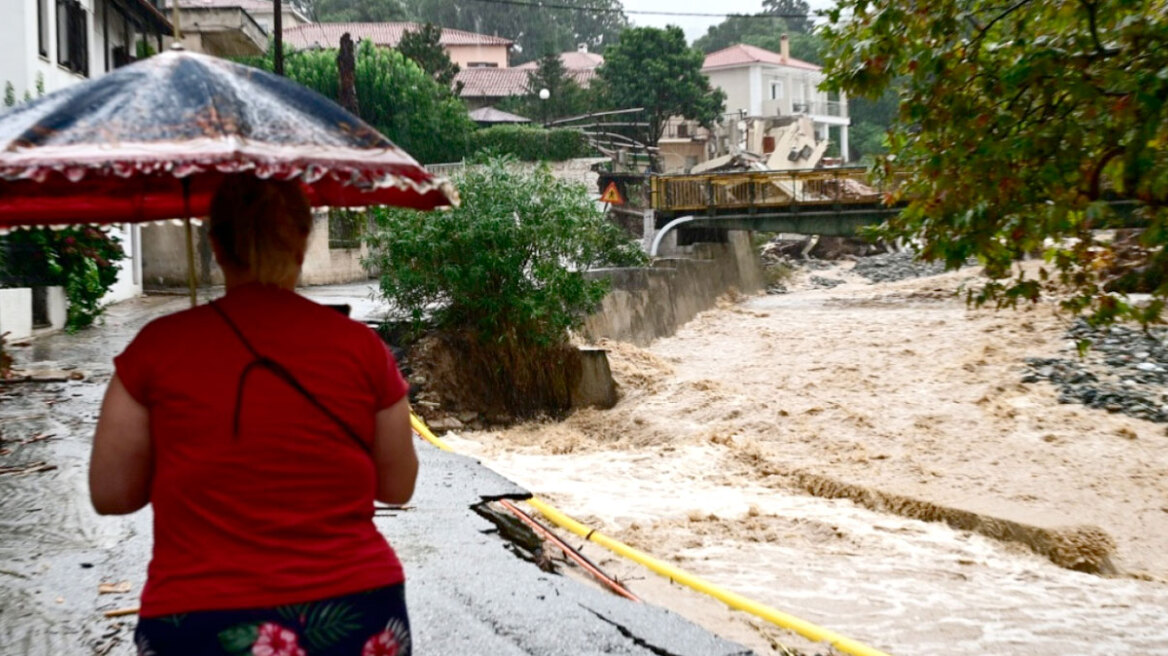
(895, 388)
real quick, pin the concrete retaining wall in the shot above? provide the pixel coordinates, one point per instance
(647, 303)
(165, 258)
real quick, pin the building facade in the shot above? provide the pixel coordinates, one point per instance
(763, 84)
(467, 49)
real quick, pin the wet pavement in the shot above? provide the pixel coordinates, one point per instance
(468, 590)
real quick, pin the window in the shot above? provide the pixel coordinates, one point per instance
(776, 89)
(482, 65)
(43, 27)
(72, 37)
(682, 131)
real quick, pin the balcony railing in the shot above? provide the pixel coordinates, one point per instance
(821, 108)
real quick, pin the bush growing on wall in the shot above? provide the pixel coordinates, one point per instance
(529, 144)
(501, 277)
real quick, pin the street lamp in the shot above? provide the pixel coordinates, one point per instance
(544, 94)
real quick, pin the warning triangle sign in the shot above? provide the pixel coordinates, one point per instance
(612, 195)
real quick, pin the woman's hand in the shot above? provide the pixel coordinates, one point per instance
(122, 464)
(393, 453)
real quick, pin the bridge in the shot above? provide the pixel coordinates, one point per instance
(829, 202)
(834, 201)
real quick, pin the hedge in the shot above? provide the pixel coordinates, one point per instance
(528, 143)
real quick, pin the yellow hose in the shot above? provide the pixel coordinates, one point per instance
(802, 627)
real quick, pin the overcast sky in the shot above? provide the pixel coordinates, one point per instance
(696, 26)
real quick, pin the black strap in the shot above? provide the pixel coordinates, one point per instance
(283, 374)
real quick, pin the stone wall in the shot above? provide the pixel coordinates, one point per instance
(647, 303)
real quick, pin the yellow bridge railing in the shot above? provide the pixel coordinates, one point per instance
(765, 189)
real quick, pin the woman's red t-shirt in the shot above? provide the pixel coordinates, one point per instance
(284, 512)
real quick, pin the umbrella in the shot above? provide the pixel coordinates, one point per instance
(153, 140)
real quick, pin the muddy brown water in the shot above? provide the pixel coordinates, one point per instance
(897, 389)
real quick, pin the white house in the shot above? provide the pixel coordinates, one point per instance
(760, 83)
(46, 45)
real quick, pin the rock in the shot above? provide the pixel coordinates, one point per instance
(445, 424)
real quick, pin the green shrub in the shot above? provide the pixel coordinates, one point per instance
(82, 259)
(501, 279)
(528, 143)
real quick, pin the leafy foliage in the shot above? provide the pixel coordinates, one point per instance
(81, 259)
(1017, 123)
(528, 143)
(424, 48)
(765, 33)
(394, 95)
(655, 69)
(9, 94)
(797, 13)
(501, 279)
(508, 264)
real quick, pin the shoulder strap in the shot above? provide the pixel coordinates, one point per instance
(280, 372)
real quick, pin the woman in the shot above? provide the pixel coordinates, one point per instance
(261, 427)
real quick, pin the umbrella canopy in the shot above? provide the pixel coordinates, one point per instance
(153, 140)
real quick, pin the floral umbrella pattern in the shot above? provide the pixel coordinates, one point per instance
(153, 140)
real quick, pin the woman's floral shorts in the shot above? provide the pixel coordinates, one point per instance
(370, 623)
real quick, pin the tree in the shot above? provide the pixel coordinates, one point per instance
(797, 13)
(565, 96)
(424, 48)
(394, 95)
(534, 30)
(1018, 122)
(501, 278)
(764, 32)
(654, 69)
(871, 120)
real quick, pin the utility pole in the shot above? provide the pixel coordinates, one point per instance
(278, 28)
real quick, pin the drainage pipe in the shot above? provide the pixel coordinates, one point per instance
(732, 599)
(660, 236)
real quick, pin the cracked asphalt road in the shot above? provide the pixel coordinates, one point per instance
(468, 592)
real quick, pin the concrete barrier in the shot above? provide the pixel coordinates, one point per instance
(647, 303)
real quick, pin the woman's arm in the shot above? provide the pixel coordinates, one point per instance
(122, 463)
(393, 453)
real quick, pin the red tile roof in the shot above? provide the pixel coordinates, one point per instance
(742, 54)
(573, 60)
(328, 35)
(503, 82)
(492, 82)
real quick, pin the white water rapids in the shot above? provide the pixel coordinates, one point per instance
(896, 387)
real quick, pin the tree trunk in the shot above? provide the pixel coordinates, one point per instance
(347, 75)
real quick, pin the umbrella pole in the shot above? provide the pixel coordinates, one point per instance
(191, 262)
(186, 187)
